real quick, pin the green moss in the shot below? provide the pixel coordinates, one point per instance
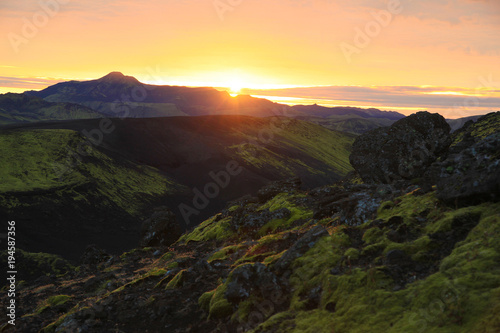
(172, 265)
(135, 251)
(219, 306)
(177, 281)
(167, 256)
(372, 235)
(204, 300)
(284, 200)
(409, 206)
(223, 253)
(310, 269)
(352, 254)
(463, 296)
(209, 230)
(51, 302)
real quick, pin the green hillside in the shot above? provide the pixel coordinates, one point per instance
(19, 108)
(97, 199)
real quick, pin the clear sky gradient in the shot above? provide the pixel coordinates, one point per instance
(403, 55)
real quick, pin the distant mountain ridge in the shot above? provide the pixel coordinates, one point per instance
(115, 91)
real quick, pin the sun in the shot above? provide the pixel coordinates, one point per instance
(235, 85)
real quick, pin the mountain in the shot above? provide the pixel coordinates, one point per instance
(115, 91)
(21, 108)
(399, 255)
(326, 112)
(66, 198)
(117, 95)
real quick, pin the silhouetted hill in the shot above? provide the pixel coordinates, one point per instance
(20, 108)
(117, 95)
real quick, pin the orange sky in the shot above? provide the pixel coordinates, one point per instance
(450, 45)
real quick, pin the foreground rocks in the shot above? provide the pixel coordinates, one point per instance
(402, 151)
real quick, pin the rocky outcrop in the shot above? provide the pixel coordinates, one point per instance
(251, 279)
(161, 229)
(277, 187)
(402, 151)
(469, 174)
(472, 175)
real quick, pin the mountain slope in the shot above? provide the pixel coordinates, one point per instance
(347, 257)
(74, 199)
(99, 199)
(19, 108)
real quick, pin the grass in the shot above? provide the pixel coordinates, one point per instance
(31, 158)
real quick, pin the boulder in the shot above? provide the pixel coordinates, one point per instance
(471, 176)
(402, 151)
(161, 229)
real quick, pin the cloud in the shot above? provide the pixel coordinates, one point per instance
(27, 83)
(395, 96)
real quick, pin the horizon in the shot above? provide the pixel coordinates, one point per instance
(286, 100)
(396, 55)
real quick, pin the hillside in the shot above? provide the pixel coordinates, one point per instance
(97, 199)
(67, 200)
(21, 108)
(353, 256)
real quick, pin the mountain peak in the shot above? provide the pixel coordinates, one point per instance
(118, 77)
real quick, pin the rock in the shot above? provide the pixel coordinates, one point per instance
(299, 248)
(354, 204)
(277, 187)
(257, 219)
(471, 176)
(251, 278)
(402, 151)
(397, 257)
(161, 229)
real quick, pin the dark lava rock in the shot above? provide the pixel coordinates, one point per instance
(299, 248)
(251, 278)
(161, 229)
(355, 204)
(257, 219)
(470, 176)
(277, 187)
(402, 151)
(397, 257)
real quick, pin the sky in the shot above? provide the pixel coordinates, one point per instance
(402, 55)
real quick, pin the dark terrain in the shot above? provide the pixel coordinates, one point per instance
(408, 242)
